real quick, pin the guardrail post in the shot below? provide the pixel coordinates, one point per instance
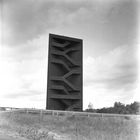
(52, 113)
(57, 113)
(41, 112)
(101, 115)
(27, 111)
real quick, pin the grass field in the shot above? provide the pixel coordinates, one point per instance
(68, 127)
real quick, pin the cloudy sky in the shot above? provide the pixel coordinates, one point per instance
(109, 30)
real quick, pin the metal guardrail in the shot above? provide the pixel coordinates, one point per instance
(68, 113)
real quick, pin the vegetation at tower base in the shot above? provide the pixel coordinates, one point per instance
(64, 89)
(118, 108)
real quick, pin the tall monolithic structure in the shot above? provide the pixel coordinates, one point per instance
(65, 73)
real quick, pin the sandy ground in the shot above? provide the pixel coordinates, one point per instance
(9, 136)
(6, 137)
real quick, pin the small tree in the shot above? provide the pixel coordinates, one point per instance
(134, 107)
(119, 108)
(90, 108)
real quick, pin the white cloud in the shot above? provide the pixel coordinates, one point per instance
(23, 82)
(8, 81)
(23, 73)
(101, 26)
(118, 62)
(112, 76)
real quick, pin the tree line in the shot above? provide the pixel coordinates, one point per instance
(118, 108)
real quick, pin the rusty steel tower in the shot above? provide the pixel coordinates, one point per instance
(65, 80)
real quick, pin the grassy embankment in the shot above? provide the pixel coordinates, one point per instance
(68, 127)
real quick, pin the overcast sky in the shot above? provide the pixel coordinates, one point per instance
(109, 29)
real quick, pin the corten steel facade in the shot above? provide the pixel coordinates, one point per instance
(65, 80)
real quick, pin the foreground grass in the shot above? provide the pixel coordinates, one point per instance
(48, 127)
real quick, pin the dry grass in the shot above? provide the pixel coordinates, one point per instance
(48, 127)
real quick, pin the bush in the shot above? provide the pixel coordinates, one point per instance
(118, 108)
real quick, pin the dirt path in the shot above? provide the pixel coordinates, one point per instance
(6, 137)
